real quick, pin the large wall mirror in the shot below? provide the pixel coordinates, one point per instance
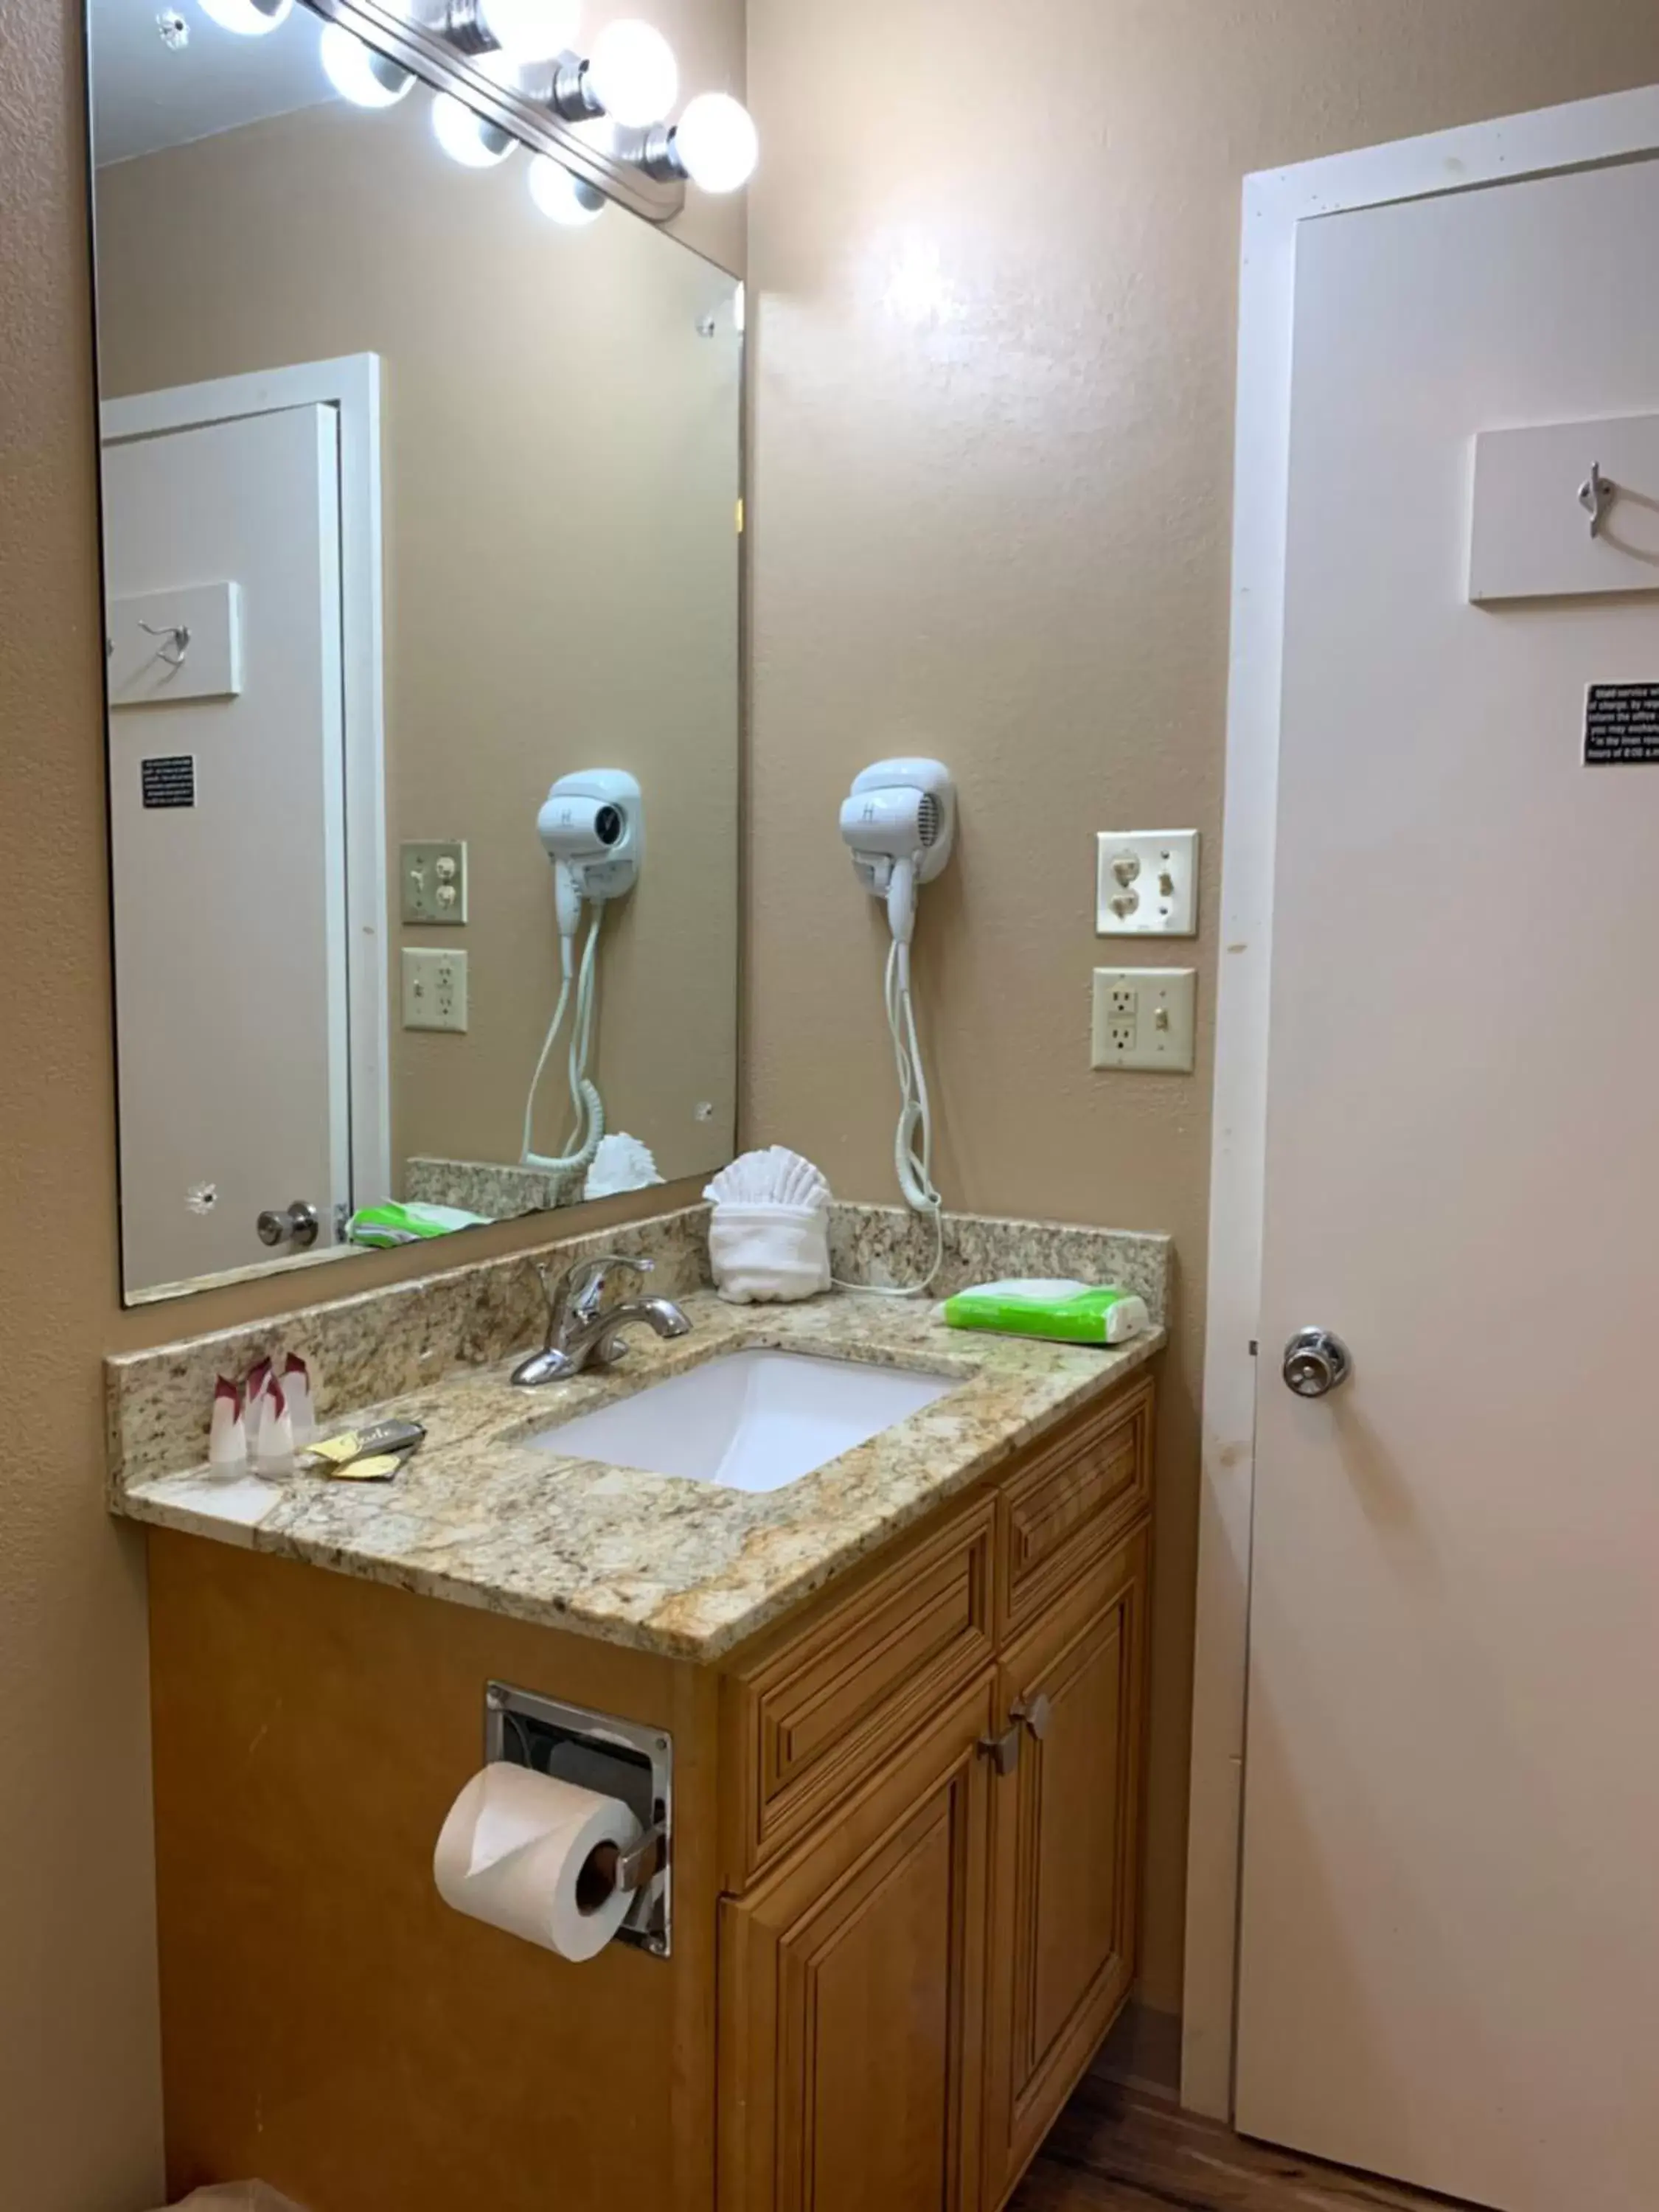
(421, 496)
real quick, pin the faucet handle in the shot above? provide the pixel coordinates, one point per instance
(576, 1293)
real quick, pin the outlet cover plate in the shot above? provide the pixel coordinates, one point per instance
(1145, 1018)
(1146, 882)
(433, 878)
(433, 989)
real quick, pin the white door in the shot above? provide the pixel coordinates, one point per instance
(228, 848)
(1449, 1962)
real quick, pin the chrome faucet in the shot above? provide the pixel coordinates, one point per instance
(581, 1334)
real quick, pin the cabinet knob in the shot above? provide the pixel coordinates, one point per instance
(1002, 1751)
(1033, 1713)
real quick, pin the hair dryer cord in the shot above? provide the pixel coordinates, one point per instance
(584, 1140)
(913, 1143)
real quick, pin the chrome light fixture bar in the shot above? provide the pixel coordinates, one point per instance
(447, 57)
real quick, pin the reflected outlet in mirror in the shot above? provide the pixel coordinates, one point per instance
(753, 1421)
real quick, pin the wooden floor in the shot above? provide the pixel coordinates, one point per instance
(1118, 2150)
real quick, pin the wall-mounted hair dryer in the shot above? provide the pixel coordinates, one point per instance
(591, 826)
(900, 819)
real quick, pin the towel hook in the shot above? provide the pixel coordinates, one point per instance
(179, 633)
(1595, 495)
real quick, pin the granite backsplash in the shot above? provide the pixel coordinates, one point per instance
(384, 1343)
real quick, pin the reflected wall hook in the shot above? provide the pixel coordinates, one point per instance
(1595, 495)
(179, 633)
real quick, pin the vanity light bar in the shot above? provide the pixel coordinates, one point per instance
(630, 164)
(472, 60)
(465, 27)
(631, 76)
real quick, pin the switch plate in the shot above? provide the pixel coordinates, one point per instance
(1145, 1017)
(435, 988)
(433, 878)
(1146, 882)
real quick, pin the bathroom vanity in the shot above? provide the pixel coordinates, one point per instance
(904, 1697)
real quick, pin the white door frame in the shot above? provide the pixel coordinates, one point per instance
(351, 385)
(1620, 127)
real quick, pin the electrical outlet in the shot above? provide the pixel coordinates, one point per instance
(1145, 1017)
(1146, 882)
(435, 988)
(1121, 1015)
(433, 878)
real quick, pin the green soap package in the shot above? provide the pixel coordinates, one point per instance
(1068, 1312)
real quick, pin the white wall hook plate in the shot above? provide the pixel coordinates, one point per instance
(1568, 508)
(166, 647)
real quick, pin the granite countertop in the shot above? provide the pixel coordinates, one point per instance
(483, 1517)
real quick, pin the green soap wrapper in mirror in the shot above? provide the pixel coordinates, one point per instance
(392, 1222)
(1065, 1311)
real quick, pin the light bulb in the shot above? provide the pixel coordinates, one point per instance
(468, 137)
(531, 30)
(248, 18)
(633, 73)
(357, 73)
(561, 197)
(717, 142)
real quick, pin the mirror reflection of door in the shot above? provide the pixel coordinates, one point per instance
(536, 549)
(227, 839)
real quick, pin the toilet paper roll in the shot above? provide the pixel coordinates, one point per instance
(524, 1852)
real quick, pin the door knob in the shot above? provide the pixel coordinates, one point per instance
(297, 1223)
(1316, 1362)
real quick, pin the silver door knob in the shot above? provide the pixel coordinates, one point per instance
(1315, 1361)
(297, 1223)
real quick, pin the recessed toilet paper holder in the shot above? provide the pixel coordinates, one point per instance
(618, 1757)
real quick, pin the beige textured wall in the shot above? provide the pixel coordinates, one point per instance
(79, 2062)
(992, 262)
(80, 2119)
(560, 448)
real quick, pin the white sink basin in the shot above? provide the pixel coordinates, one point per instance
(753, 1421)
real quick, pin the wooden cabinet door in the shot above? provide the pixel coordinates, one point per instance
(852, 1986)
(1064, 1867)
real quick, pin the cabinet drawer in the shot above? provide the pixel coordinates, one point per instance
(1070, 1500)
(812, 1718)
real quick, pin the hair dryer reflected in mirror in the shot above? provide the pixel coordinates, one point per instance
(591, 828)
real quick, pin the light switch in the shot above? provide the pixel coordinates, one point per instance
(1145, 1017)
(1146, 882)
(433, 878)
(435, 988)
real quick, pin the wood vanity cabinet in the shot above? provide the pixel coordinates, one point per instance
(1064, 1847)
(916, 1969)
(905, 1855)
(852, 1991)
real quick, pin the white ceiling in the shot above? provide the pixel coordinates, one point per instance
(145, 96)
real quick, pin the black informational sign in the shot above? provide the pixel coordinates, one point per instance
(169, 781)
(1621, 725)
